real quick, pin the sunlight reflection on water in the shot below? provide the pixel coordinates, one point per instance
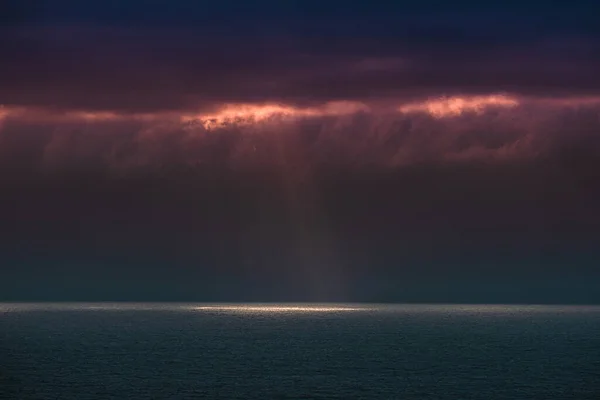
(279, 308)
(303, 308)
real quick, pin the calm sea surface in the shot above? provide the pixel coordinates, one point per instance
(294, 351)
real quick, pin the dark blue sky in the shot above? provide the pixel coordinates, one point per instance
(190, 54)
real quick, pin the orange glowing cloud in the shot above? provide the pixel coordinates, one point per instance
(454, 106)
(247, 114)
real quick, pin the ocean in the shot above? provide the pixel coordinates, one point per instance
(298, 351)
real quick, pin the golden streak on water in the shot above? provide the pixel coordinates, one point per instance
(277, 309)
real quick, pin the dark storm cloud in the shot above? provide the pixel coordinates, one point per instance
(154, 56)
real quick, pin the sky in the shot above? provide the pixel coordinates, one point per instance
(299, 151)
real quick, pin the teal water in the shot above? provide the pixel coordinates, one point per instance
(296, 351)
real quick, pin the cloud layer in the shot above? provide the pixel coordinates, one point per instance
(495, 128)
